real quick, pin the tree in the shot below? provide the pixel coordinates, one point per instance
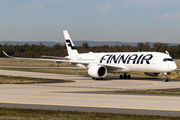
(157, 46)
(140, 46)
(85, 46)
(56, 47)
(147, 47)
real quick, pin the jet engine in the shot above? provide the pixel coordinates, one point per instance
(153, 74)
(97, 71)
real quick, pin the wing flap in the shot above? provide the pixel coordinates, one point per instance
(62, 58)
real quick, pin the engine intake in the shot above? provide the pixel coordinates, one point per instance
(97, 71)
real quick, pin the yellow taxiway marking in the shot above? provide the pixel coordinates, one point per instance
(89, 106)
(153, 83)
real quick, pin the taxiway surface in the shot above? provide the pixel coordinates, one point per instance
(89, 95)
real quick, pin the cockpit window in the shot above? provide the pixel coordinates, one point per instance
(167, 59)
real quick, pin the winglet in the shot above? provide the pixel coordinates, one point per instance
(7, 55)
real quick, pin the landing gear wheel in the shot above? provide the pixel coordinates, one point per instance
(125, 76)
(121, 77)
(166, 79)
(129, 76)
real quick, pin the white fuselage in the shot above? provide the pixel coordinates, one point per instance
(131, 61)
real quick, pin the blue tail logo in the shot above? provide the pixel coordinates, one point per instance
(70, 45)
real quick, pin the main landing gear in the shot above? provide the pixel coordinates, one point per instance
(125, 76)
(166, 79)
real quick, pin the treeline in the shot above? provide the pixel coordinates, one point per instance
(35, 51)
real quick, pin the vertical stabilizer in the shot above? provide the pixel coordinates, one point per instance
(72, 51)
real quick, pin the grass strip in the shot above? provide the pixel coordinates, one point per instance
(52, 70)
(35, 114)
(168, 92)
(20, 80)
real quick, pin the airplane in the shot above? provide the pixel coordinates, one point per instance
(99, 64)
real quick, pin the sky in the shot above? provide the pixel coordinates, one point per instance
(90, 20)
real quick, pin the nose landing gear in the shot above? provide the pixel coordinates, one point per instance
(166, 79)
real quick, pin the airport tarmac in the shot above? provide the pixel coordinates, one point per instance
(85, 94)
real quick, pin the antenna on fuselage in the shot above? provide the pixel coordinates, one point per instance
(167, 53)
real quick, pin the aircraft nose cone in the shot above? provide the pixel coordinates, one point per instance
(173, 67)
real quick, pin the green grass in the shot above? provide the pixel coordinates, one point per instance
(19, 80)
(169, 92)
(30, 114)
(59, 71)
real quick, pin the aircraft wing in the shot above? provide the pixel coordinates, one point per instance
(34, 58)
(56, 60)
(109, 66)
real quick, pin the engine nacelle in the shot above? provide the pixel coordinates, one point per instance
(97, 71)
(153, 74)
